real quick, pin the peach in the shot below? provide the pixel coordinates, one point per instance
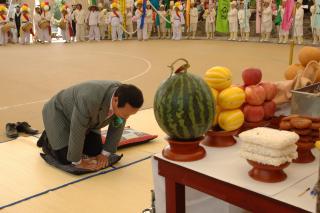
(269, 109)
(270, 89)
(251, 76)
(255, 95)
(253, 114)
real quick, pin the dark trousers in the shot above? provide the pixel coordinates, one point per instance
(92, 147)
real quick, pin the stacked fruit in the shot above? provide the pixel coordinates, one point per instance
(259, 105)
(228, 99)
(306, 55)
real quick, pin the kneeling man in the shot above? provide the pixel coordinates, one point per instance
(73, 119)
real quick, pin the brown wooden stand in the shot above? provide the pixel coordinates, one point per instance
(304, 152)
(220, 138)
(267, 173)
(184, 150)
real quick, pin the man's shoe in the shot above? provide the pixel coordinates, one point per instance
(11, 130)
(26, 128)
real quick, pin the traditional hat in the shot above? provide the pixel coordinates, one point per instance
(25, 7)
(45, 5)
(17, 6)
(114, 5)
(161, 5)
(192, 2)
(234, 3)
(64, 7)
(171, 3)
(178, 5)
(148, 3)
(3, 8)
(91, 6)
(138, 2)
(100, 5)
(299, 1)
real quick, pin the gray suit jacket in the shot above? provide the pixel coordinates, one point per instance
(70, 114)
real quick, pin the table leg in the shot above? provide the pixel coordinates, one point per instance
(175, 197)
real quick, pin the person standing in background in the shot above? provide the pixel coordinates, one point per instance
(93, 20)
(244, 15)
(193, 20)
(129, 23)
(79, 16)
(163, 21)
(298, 23)
(149, 21)
(73, 22)
(233, 21)
(102, 21)
(266, 21)
(46, 15)
(16, 16)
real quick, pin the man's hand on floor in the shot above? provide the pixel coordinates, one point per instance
(102, 161)
(89, 164)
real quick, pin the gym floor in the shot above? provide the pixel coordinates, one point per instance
(30, 75)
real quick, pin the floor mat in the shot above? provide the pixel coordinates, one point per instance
(24, 173)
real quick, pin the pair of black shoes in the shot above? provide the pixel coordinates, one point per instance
(13, 129)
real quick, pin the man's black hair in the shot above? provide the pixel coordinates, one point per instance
(128, 93)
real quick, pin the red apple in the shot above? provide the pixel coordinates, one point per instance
(270, 89)
(251, 76)
(255, 95)
(253, 114)
(269, 109)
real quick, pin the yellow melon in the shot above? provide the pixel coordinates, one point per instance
(215, 94)
(317, 145)
(218, 78)
(231, 98)
(230, 120)
(308, 54)
(216, 115)
(292, 71)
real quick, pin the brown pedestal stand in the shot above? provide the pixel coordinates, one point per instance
(267, 173)
(220, 138)
(304, 152)
(184, 150)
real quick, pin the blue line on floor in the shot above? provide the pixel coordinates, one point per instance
(72, 182)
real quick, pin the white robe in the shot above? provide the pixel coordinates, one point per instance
(66, 33)
(93, 20)
(177, 22)
(210, 17)
(244, 18)
(266, 20)
(282, 32)
(298, 22)
(46, 33)
(3, 36)
(129, 23)
(233, 20)
(80, 17)
(142, 34)
(38, 32)
(193, 19)
(116, 22)
(163, 21)
(103, 23)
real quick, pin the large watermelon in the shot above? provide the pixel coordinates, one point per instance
(184, 106)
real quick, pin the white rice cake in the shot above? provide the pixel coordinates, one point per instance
(268, 152)
(267, 137)
(274, 161)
